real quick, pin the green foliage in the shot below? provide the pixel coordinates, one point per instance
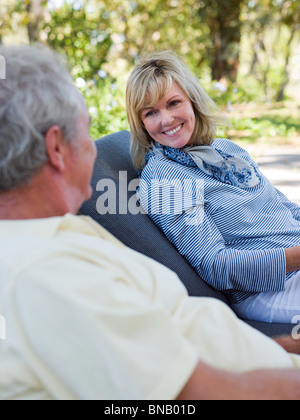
(270, 124)
(81, 36)
(106, 103)
(248, 42)
(223, 18)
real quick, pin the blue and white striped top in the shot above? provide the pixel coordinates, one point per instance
(235, 238)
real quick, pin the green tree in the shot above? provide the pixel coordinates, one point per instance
(272, 27)
(223, 18)
(84, 37)
(36, 12)
(7, 17)
(29, 14)
(290, 16)
(139, 27)
(206, 33)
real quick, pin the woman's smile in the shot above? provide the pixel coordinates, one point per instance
(174, 131)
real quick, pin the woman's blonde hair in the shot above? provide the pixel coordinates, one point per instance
(151, 80)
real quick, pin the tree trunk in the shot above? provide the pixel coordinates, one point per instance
(285, 74)
(36, 14)
(225, 28)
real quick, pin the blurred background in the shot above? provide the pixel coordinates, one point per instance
(246, 54)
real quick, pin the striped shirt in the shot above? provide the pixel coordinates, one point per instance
(234, 238)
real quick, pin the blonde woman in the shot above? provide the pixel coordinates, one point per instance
(209, 197)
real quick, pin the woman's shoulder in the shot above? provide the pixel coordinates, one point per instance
(160, 167)
(161, 178)
(231, 148)
(227, 145)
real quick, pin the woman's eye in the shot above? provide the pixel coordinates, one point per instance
(174, 103)
(150, 114)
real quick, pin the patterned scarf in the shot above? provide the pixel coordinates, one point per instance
(215, 163)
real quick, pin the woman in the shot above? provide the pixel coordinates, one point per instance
(209, 197)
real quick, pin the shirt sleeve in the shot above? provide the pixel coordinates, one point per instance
(193, 231)
(88, 334)
(292, 207)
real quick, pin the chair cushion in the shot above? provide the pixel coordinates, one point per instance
(114, 206)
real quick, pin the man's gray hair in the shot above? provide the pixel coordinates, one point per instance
(38, 93)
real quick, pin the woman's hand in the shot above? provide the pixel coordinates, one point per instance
(292, 259)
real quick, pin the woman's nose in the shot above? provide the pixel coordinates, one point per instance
(166, 119)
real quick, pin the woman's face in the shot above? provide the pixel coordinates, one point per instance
(171, 121)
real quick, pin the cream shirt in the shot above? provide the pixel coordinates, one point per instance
(87, 318)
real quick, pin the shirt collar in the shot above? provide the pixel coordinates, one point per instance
(50, 227)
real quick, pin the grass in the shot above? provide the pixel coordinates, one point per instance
(265, 124)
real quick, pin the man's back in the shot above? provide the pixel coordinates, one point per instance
(88, 318)
(78, 319)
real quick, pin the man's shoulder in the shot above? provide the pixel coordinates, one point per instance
(28, 244)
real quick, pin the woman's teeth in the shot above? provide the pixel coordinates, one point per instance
(171, 133)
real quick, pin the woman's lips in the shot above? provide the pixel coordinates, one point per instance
(174, 131)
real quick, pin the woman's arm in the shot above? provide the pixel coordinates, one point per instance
(193, 231)
(294, 208)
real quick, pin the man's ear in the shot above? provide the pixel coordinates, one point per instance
(56, 148)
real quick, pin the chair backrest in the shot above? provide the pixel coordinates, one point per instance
(114, 206)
